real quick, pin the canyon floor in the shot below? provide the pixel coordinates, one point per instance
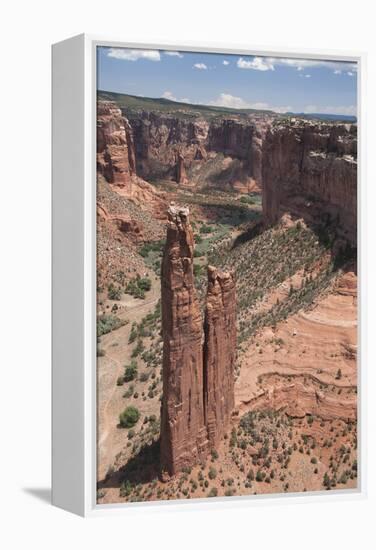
(294, 427)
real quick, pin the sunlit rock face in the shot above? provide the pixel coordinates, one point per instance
(311, 168)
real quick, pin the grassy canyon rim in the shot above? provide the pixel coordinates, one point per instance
(273, 198)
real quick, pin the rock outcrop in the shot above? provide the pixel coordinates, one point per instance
(181, 175)
(115, 148)
(200, 141)
(116, 160)
(183, 433)
(219, 353)
(311, 168)
(198, 364)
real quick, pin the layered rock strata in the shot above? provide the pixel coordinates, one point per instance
(219, 353)
(183, 433)
(116, 158)
(157, 135)
(198, 365)
(311, 169)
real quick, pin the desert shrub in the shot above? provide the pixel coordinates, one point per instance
(130, 372)
(138, 350)
(251, 475)
(113, 292)
(197, 270)
(144, 283)
(107, 323)
(144, 376)
(259, 476)
(120, 381)
(212, 473)
(129, 392)
(206, 229)
(214, 454)
(154, 246)
(246, 199)
(129, 417)
(126, 488)
(213, 492)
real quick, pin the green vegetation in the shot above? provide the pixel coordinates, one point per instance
(134, 104)
(246, 199)
(129, 417)
(138, 286)
(260, 264)
(130, 372)
(113, 292)
(107, 323)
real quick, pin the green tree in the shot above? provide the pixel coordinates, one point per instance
(129, 417)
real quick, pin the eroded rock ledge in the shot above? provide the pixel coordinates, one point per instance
(310, 169)
(198, 360)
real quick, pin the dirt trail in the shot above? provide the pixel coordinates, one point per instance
(111, 439)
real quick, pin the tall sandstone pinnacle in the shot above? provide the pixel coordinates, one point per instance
(198, 360)
(219, 353)
(181, 175)
(183, 433)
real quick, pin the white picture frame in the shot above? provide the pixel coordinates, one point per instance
(74, 276)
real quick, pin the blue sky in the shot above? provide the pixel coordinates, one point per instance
(280, 84)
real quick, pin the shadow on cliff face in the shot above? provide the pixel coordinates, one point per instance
(250, 233)
(141, 468)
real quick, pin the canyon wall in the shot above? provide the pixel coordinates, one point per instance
(158, 136)
(310, 169)
(116, 159)
(198, 362)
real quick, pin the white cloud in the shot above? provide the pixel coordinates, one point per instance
(234, 102)
(270, 63)
(308, 76)
(225, 62)
(331, 110)
(350, 73)
(257, 64)
(134, 55)
(201, 66)
(169, 95)
(228, 100)
(337, 71)
(173, 54)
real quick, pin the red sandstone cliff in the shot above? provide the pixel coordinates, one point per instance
(311, 168)
(116, 160)
(183, 433)
(157, 135)
(219, 353)
(115, 149)
(181, 175)
(198, 362)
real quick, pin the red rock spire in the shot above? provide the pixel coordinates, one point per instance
(198, 362)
